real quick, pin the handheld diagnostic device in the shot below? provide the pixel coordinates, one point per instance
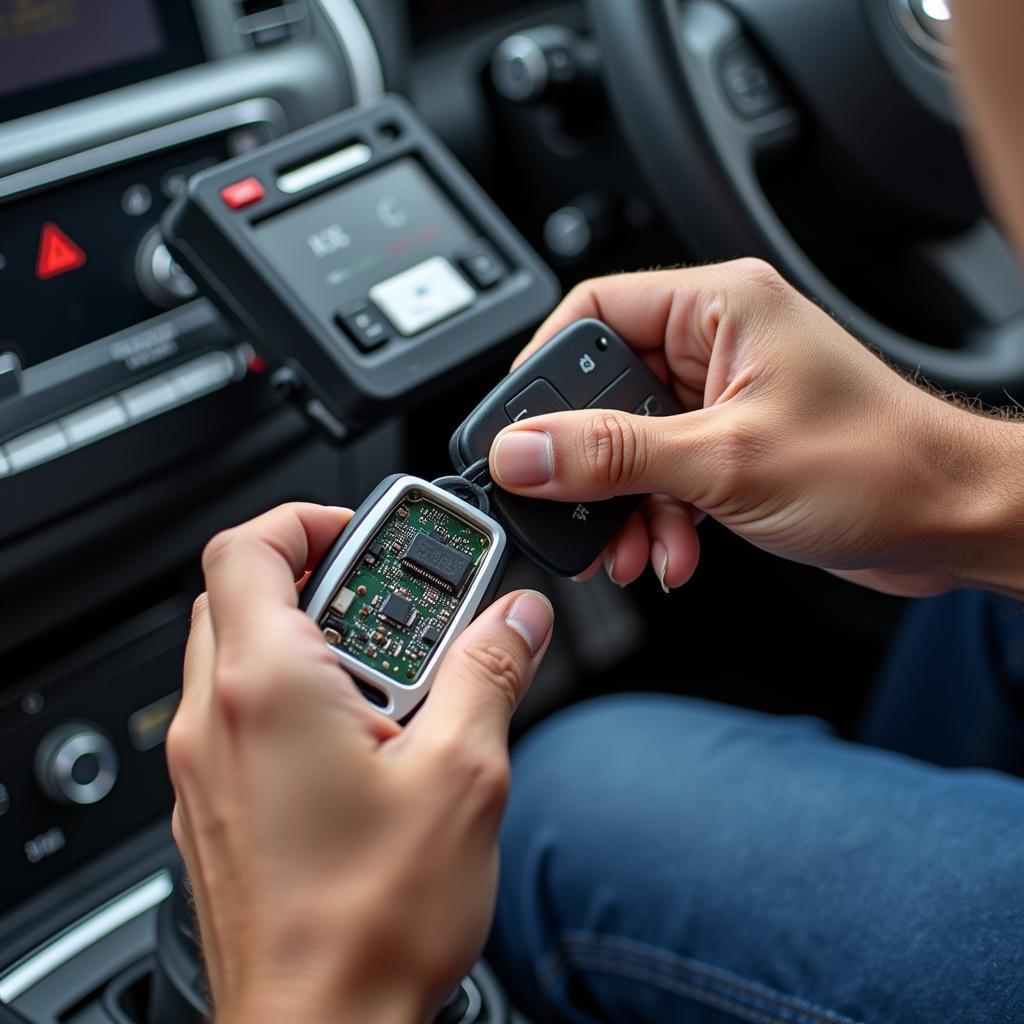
(360, 255)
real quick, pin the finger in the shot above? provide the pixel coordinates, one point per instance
(626, 557)
(637, 306)
(675, 547)
(251, 570)
(591, 570)
(597, 454)
(485, 674)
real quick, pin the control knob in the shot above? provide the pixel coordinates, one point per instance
(76, 764)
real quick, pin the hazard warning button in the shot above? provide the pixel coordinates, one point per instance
(57, 253)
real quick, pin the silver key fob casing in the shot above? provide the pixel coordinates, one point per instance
(403, 580)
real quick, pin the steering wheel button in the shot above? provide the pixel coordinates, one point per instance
(535, 400)
(748, 83)
(242, 193)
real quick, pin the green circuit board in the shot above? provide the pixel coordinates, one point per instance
(394, 607)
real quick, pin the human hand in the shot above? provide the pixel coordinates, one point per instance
(343, 867)
(796, 437)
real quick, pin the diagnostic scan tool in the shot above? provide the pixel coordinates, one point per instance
(362, 257)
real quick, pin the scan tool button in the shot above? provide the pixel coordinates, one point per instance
(423, 295)
(36, 446)
(242, 193)
(364, 325)
(483, 266)
(540, 397)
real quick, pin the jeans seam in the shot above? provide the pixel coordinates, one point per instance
(719, 1001)
(739, 987)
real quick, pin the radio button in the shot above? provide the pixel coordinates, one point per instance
(150, 398)
(202, 375)
(39, 445)
(76, 764)
(483, 265)
(95, 421)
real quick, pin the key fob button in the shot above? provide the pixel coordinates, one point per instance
(540, 397)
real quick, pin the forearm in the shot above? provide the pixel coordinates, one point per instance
(981, 502)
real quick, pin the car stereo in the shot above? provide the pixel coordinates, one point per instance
(361, 255)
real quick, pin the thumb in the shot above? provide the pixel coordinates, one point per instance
(599, 453)
(484, 675)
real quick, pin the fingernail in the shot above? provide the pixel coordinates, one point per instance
(523, 458)
(531, 616)
(609, 568)
(659, 559)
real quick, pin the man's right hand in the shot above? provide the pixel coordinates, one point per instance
(796, 437)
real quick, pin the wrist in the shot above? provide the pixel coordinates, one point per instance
(980, 500)
(317, 1008)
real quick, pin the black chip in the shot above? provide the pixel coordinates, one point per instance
(375, 549)
(398, 609)
(431, 635)
(440, 563)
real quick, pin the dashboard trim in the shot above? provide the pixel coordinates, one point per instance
(261, 110)
(46, 959)
(355, 38)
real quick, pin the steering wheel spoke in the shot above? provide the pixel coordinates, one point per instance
(743, 101)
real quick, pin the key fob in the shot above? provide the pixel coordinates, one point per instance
(586, 366)
(410, 571)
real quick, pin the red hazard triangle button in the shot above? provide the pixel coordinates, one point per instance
(57, 253)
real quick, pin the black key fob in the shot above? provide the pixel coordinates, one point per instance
(586, 366)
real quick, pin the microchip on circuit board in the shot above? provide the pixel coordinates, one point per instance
(441, 564)
(398, 610)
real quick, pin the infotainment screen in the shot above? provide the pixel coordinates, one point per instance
(54, 51)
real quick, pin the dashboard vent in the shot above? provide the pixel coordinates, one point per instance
(265, 22)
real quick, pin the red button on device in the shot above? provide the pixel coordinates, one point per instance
(242, 193)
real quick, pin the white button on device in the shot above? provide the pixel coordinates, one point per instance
(36, 446)
(423, 295)
(5, 466)
(94, 421)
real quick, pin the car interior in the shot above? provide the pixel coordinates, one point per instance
(531, 144)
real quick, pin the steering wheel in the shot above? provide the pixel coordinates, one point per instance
(854, 95)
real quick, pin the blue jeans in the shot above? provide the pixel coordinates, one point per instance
(666, 859)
